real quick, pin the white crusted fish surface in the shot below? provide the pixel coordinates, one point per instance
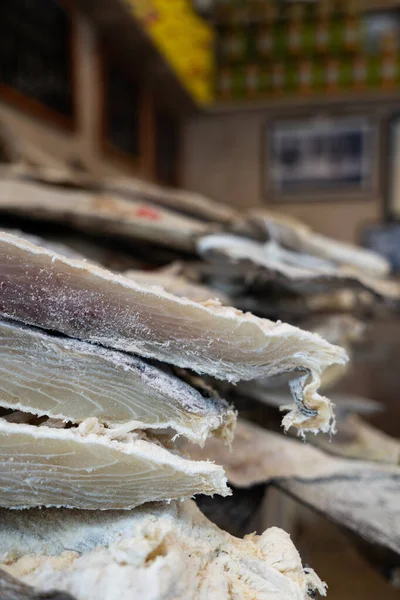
(78, 299)
(152, 553)
(44, 466)
(67, 379)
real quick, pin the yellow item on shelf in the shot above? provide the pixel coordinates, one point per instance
(184, 39)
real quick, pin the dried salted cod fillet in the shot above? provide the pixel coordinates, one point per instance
(183, 201)
(53, 246)
(278, 397)
(342, 253)
(101, 213)
(359, 495)
(195, 205)
(354, 438)
(261, 264)
(177, 285)
(72, 380)
(13, 589)
(260, 456)
(83, 301)
(294, 307)
(358, 439)
(43, 466)
(295, 235)
(152, 553)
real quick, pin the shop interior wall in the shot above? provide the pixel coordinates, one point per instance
(83, 143)
(223, 158)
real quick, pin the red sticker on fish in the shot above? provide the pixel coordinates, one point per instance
(146, 212)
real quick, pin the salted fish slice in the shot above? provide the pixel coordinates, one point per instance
(182, 201)
(13, 589)
(297, 236)
(67, 379)
(58, 247)
(359, 495)
(79, 299)
(156, 552)
(42, 466)
(265, 264)
(176, 284)
(101, 213)
(44, 169)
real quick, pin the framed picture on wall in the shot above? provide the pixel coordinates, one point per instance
(321, 158)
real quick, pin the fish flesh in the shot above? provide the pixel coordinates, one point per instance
(176, 284)
(82, 467)
(297, 236)
(81, 300)
(263, 265)
(70, 380)
(156, 552)
(100, 213)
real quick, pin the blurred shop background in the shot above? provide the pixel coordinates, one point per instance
(286, 106)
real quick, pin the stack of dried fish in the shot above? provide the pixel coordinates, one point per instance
(89, 421)
(361, 495)
(278, 266)
(270, 264)
(156, 224)
(106, 404)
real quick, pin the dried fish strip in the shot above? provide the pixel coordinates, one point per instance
(262, 264)
(51, 245)
(167, 552)
(13, 589)
(99, 213)
(78, 468)
(71, 380)
(358, 439)
(260, 456)
(297, 236)
(360, 495)
(177, 285)
(76, 298)
(184, 202)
